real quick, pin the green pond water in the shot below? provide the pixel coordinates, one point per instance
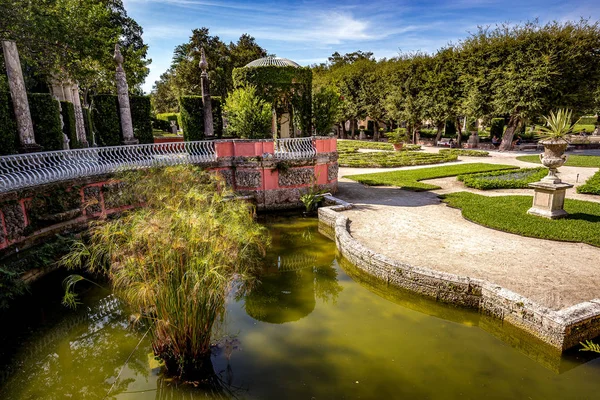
(316, 328)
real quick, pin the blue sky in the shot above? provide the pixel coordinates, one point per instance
(310, 31)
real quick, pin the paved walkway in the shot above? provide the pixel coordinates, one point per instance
(416, 228)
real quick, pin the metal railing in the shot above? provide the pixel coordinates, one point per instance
(295, 148)
(24, 170)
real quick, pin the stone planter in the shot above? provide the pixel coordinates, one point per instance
(553, 158)
(398, 146)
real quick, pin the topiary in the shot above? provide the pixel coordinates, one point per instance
(45, 115)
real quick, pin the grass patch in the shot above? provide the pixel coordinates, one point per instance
(390, 159)
(509, 214)
(591, 186)
(465, 152)
(409, 179)
(351, 146)
(572, 161)
(504, 179)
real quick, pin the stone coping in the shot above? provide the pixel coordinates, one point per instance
(560, 329)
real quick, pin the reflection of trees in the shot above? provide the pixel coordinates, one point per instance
(80, 357)
(297, 271)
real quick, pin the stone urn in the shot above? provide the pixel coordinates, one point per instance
(553, 158)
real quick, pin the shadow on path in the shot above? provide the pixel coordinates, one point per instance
(359, 194)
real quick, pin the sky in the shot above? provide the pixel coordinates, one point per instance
(310, 31)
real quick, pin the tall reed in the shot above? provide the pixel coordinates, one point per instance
(175, 258)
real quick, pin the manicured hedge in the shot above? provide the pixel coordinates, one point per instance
(591, 186)
(9, 136)
(192, 117)
(69, 125)
(161, 124)
(45, 115)
(87, 122)
(106, 120)
(170, 117)
(519, 179)
(590, 120)
(141, 118)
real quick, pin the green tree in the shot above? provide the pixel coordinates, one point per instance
(326, 109)
(248, 116)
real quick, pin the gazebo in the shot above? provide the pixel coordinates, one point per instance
(287, 86)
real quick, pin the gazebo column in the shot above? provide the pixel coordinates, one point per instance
(123, 96)
(18, 95)
(79, 123)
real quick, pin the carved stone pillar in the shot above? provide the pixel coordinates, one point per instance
(79, 123)
(206, 101)
(18, 94)
(123, 95)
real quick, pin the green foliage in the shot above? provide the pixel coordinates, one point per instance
(591, 186)
(350, 146)
(87, 122)
(11, 285)
(389, 159)
(590, 346)
(577, 128)
(9, 137)
(248, 115)
(287, 89)
(45, 115)
(399, 135)
(174, 261)
(591, 120)
(161, 125)
(558, 125)
(497, 127)
(326, 109)
(192, 117)
(509, 214)
(504, 179)
(450, 129)
(312, 199)
(69, 127)
(409, 179)
(141, 118)
(572, 160)
(465, 152)
(106, 120)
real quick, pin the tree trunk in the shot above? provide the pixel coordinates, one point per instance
(353, 127)
(513, 124)
(441, 125)
(458, 133)
(375, 131)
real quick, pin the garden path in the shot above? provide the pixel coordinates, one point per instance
(416, 228)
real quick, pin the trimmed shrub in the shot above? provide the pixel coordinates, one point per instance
(106, 120)
(583, 128)
(192, 117)
(141, 118)
(170, 117)
(591, 186)
(161, 125)
(9, 136)
(87, 122)
(497, 127)
(519, 179)
(589, 120)
(248, 115)
(69, 126)
(45, 115)
(465, 152)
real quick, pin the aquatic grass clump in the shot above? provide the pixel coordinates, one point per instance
(175, 259)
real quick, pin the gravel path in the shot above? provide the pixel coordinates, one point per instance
(416, 228)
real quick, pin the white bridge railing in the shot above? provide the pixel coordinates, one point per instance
(24, 170)
(295, 148)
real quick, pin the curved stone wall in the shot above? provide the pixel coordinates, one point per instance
(561, 329)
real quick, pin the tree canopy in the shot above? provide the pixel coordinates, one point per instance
(74, 39)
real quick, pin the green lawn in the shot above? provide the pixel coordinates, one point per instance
(465, 152)
(409, 179)
(509, 214)
(517, 179)
(572, 160)
(350, 146)
(591, 186)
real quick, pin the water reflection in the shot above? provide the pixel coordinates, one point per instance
(297, 271)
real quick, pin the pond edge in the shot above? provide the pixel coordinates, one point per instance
(562, 329)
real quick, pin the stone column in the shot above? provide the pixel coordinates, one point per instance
(18, 94)
(79, 123)
(123, 94)
(206, 102)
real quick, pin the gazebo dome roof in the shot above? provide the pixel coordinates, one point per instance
(272, 62)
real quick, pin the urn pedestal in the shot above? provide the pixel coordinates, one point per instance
(549, 199)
